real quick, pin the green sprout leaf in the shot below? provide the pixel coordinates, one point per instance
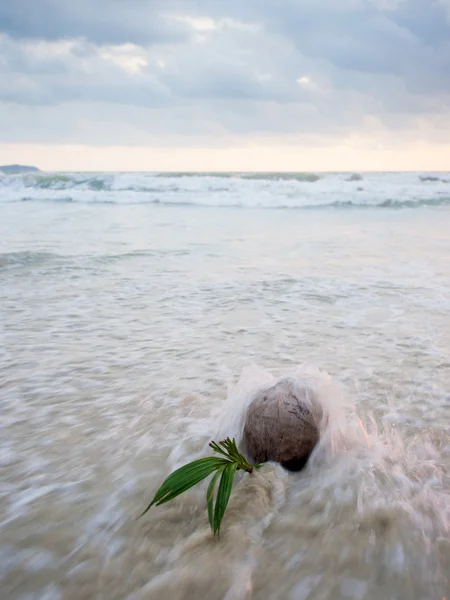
(184, 478)
(225, 467)
(223, 495)
(210, 497)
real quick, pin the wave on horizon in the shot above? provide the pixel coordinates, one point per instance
(245, 190)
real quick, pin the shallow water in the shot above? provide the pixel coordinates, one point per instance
(124, 331)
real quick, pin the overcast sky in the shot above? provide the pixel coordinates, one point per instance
(225, 84)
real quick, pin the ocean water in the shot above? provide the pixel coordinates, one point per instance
(140, 313)
(246, 190)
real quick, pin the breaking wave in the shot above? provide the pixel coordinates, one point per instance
(246, 190)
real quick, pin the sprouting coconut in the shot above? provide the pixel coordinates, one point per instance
(281, 426)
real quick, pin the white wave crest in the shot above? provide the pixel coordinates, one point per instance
(246, 190)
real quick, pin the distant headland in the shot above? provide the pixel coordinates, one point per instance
(13, 169)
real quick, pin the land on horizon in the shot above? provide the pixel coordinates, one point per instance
(14, 169)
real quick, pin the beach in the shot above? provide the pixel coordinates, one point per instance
(132, 305)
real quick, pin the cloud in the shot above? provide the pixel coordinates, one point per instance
(102, 21)
(196, 71)
(52, 73)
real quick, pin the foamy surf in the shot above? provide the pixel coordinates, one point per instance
(334, 415)
(244, 190)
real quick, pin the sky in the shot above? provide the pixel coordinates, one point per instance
(225, 84)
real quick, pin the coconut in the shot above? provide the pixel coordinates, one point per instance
(281, 426)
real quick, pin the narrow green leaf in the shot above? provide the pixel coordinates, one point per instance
(223, 494)
(210, 497)
(183, 481)
(185, 472)
(184, 478)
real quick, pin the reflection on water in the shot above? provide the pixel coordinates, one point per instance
(124, 331)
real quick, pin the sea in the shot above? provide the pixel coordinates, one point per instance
(139, 315)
